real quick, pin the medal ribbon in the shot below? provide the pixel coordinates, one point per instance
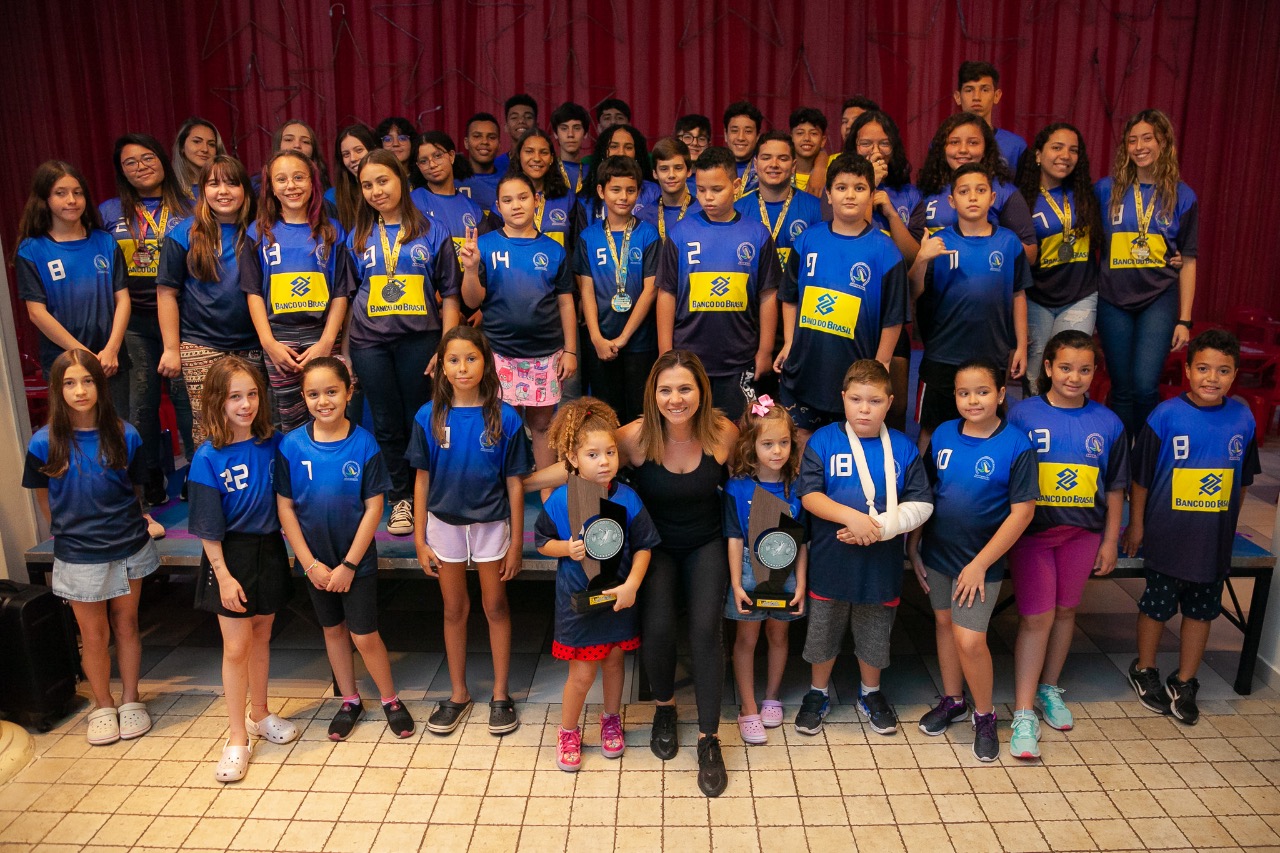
(747, 175)
(620, 259)
(1063, 213)
(145, 219)
(662, 220)
(390, 252)
(577, 189)
(782, 216)
(1144, 216)
(538, 210)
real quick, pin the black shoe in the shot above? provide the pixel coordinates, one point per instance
(1151, 693)
(1182, 698)
(398, 719)
(447, 716)
(712, 776)
(663, 740)
(813, 707)
(502, 717)
(182, 495)
(345, 720)
(875, 707)
(986, 743)
(155, 492)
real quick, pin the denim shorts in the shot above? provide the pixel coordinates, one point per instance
(101, 581)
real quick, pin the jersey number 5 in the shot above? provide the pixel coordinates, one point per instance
(602, 257)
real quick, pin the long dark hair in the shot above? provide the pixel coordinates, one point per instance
(172, 194)
(1086, 217)
(203, 258)
(490, 389)
(346, 185)
(935, 174)
(553, 182)
(322, 230)
(317, 153)
(112, 452)
(899, 166)
(37, 219)
(601, 151)
(412, 223)
(1066, 339)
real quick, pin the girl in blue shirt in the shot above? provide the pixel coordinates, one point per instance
(556, 212)
(353, 143)
(85, 467)
(244, 570)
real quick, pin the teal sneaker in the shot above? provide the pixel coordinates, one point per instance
(1025, 741)
(1050, 704)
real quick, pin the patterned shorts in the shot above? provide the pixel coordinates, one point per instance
(560, 651)
(529, 381)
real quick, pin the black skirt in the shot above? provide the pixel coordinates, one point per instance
(261, 565)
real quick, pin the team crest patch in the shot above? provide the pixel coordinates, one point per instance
(419, 255)
(1093, 445)
(558, 217)
(351, 470)
(540, 261)
(860, 275)
(100, 263)
(322, 254)
(984, 468)
(997, 261)
(797, 228)
(746, 253)
(636, 255)
(1165, 220)
(468, 220)
(1236, 447)
(904, 214)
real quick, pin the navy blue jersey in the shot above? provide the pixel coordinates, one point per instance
(296, 275)
(1129, 278)
(483, 190)
(739, 491)
(966, 309)
(747, 174)
(384, 308)
(1058, 281)
(594, 259)
(805, 211)
(719, 272)
(328, 482)
(1194, 461)
(859, 574)
(456, 213)
(1008, 208)
(214, 313)
(975, 481)
(561, 219)
(647, 206)
(230, 490)
(1081, 454)
(1011, 146)
(522, 279)
(94, 512)
(671, 214)
(140, 245)
(468, 472)
(77, 282)
(574, 175)
(604, 626)
(846, 290)
(904, 199)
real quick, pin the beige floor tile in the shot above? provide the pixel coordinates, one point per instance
(1250, 831)
(1020, 837)
(446, 837)
(351, 837)
(694, 839)
(422, 781)
(284, 805)
(640, 783)
(103, 799)
(1224, 801)
(215, 833)
(852, 756)
(1204, 832)
(1004, 807)
(913, 808)
(398, 837)
(64, 797)
(1092, 805)
(882, 839)
(548, 811)
(731, 839)
(1048, 805)
(122, 830)
(1066, 835)
(146, 801)
(647, 811)
(366, 808)
(596, 784)
(501, 811)
(190, 802)
(868, 811)
(1136, 804)
(958, 808)
(629, 840)
(1158, 832)
(75, 829)
(691, 811)
(926, 838)
(487, 839)
(903, 781)
(317, 806)
(305, 835)
(261, 833)
(166, 831)
(733, 811)
(989, 780)
(1076, 778)
(974, 838)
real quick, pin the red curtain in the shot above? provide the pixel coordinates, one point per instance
(79, 74)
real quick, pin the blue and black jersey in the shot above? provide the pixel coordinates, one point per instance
(214, 314)
(1131, 276)
(803, 212)
(595, 260)
(231, 489)
(295, 274)
(522, 279)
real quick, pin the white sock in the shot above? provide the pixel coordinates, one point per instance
(821, 690)
(866, 689)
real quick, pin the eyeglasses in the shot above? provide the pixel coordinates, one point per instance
(133, 163)
(884, 145)
(432, 159)
(690, 139)
(391, 138)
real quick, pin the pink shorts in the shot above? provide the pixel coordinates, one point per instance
(529, 381)
(1051, 568)
(482, 542)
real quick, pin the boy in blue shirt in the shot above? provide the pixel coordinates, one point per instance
(1192, 462)
(978, 91)
(743, 122)
(481, 142)
(521, 114)
(855, 549)
(775, 203)
(569, 123)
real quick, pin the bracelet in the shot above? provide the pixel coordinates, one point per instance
(569, 352)
(314, 563)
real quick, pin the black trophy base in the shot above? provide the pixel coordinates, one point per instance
(591, 601)
(766, 601)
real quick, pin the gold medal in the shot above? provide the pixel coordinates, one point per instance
(782, 216)
(1141, 249)
(1067, 251)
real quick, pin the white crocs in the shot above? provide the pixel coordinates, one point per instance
(104, 726)
(272, 727)
(134, 720)
(234, 763)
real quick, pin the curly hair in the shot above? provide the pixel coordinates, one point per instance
(574, 421)
(1086, 218)
(1166, 175)
(935, 174)
(749, 428)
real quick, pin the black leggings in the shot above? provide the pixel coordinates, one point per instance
(701, 575)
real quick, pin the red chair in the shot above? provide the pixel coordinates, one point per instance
(1252, 325)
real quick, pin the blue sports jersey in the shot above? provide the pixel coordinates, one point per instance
(846, 291)
(805, 211)
(94, 512)
(1011, 146)
(966, 309)
(719, 272)
(483, 190)
(1008, 209)
(561, 219)
(1059, 282)
(522, 279)
(748, 175)
(469, 473)
(328, 482)
(904, 199)
(456, 213)
(671, 214)
(385, 309)
(859, 574)
(140, 246)
(594, 260)
(574, 174)
(76, 281)
(295, 275)
(230, 490)
(213, 313)
(738, 493)
(1195, 461)
(604, 626)
(975, 481)
(1126, 279)
(646, 210)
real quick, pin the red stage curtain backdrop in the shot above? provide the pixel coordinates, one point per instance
(78, 74)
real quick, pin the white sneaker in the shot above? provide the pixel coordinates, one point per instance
(401, 522)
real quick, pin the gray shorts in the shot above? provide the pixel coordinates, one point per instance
(976, 616)
(102, 581)
(870, 625)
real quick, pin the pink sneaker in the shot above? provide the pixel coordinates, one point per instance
(771, 713)
(611, 741)
(569, 752)
(752, 729)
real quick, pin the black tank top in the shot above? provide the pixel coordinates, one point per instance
(686, 508)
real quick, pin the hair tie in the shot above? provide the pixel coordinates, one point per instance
(762, 405)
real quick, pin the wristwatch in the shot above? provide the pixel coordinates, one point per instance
(350, 565)
(1186, 323)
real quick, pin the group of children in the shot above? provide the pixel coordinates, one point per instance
(634, 252)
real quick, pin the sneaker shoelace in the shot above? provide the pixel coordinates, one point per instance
(709, 750)
(402, 512)
(1052, 699)
(985, 725)
(570, 745)
(813, 702)
(1024, 726)
(611, 730)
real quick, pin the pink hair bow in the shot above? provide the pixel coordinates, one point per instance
(761, 406)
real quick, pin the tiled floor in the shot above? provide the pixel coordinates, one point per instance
(1122, 779)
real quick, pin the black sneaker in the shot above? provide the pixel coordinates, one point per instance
(398, 719)
(447, 716)
(879, 714)
(155, 492)
(1151, 693)
(813, 707)
(345, 720)
(1182, 698)
(502, 717)
(948, 710)
(712, 777)
(663, 740)
(986, 743)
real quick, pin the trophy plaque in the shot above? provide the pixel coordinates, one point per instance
(774, 538)
(602, 525)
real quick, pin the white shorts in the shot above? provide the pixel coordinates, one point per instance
(482, 542)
